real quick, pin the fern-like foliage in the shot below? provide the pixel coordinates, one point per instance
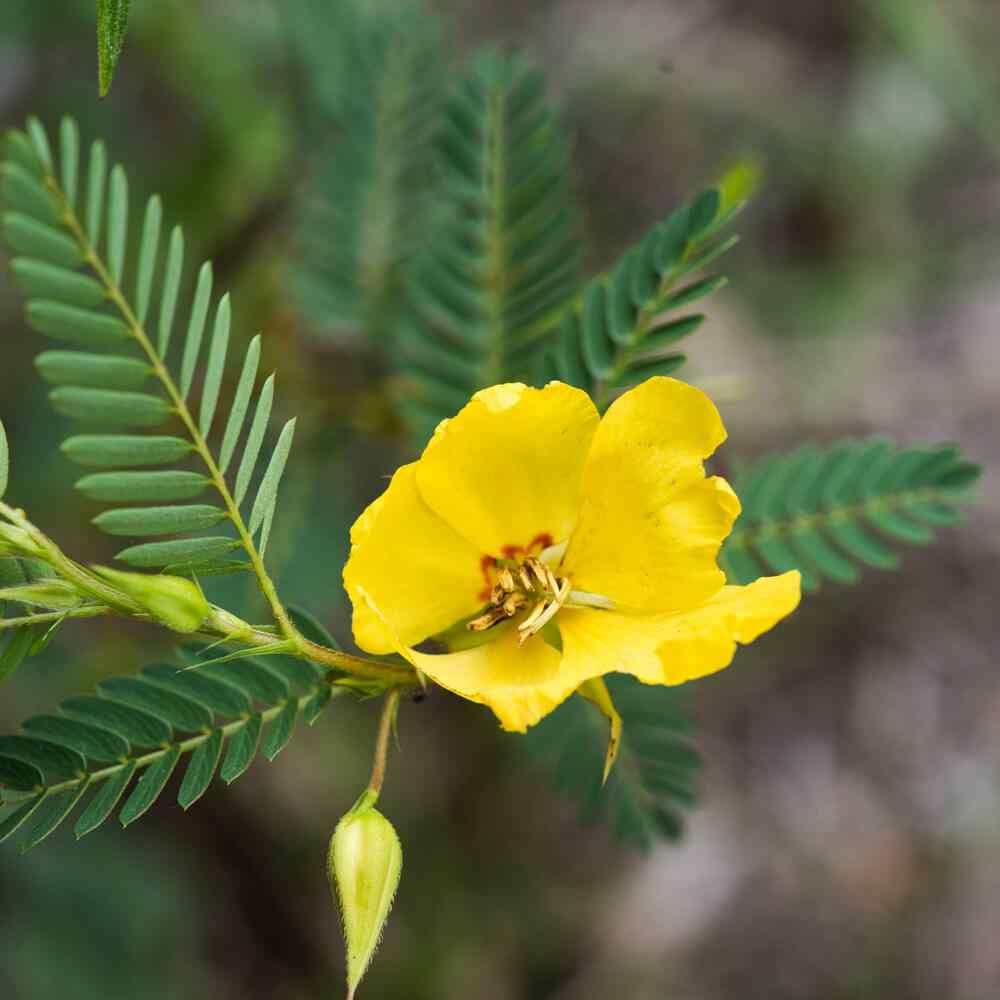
(830, 512)
(653, 779)
(215, 714)
(368, 203)
(623, 328)
(144, 725)
(505, 263)
(66, 225)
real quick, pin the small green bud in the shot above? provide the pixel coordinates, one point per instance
(16, 542)
(172, 600)
(364, 867)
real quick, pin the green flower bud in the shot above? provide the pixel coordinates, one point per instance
(172, 600)
(15, 541)
(364, 867)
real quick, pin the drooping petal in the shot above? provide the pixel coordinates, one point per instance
(509, 467)
(651, 525)
(517, 682)
(679, 647)
(421, 574)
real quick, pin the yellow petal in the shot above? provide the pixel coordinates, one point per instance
(674, 648)
(417, 571)
(509, 467)
(516, 681)
(651, 524)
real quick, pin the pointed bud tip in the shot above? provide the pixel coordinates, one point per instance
(364, 865)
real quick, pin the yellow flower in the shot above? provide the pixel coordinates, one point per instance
(545, 546)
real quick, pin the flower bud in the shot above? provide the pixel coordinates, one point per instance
(364, 867)
(172, 600)
(16, 542)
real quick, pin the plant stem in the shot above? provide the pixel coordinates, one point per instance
(47, 617)
(389, 710)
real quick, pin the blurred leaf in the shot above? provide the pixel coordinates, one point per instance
(825, 512)
(653, 779)
(112, 20)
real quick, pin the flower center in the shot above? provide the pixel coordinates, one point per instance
(523, 584)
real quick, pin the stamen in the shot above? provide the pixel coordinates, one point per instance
(529, 582)
(487, 620)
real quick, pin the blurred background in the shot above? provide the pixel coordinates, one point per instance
(848, 843)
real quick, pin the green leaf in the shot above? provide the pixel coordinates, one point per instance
(110, 406)
(242, 750)
(19, 776)
(272, 477)
(56, 283)
(69, 159)
(497, 275)
(654, 779)
(241, 403)
(171, 288)
(95, 744)
(312, 628)
(314, 707)
(155, 555)
(112, 21)
(102, 805)
(213, 694)
(612, 337)
(41, 143)
(148, 250)
(22, 192)
(828, 513)
(4, 461)
(150, 786)
(125, 487)
(55, 763)
(255, 439)
(55, 809)
(201, 770)
(159, 520)
(375, 84)
(281, 731)
(196, 327)
(25, 235)
(138, 728)
(79, 326)
(216, 365)
(13, 821)
(16, 647)
(97, 172)
(117, 224)
(104, 450)
(92, 371)
(176, 710)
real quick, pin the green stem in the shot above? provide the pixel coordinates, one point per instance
(389, 710)
(47, 617)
